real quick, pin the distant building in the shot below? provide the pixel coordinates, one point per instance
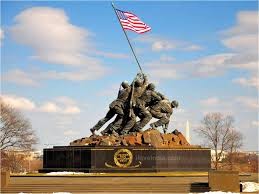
(213, 155)
(239, 153)
(29, 155)
(250, 152)
(38, 154)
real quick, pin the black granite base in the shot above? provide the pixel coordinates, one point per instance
(124, 159)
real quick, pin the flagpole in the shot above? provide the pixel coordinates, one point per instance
(127, 38)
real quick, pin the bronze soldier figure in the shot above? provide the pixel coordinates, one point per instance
(148, 98)
(162, 111)
(136, 100)
(139, 85)
(116, 107)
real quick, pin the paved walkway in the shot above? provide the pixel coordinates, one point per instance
(106, 184)
(110, 184)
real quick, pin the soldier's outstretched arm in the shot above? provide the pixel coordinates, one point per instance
(119, 91)
(145, 80)
(131, 98)
(167, 109)
(162, 96)
(156, 96)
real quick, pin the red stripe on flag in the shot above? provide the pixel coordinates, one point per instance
(132, 22)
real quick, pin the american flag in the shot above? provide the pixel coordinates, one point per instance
(129, 21)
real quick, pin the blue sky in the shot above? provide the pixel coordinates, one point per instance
(62, 62)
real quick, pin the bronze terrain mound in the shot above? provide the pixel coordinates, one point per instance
(150, 137)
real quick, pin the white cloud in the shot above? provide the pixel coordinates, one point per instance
(110, 91)
(244, 35)
(164, 68)
(71, 110)
(247, 21)
(241, 40)
(56, 41)
(18, 102)
(246, 61)
(209, 66)
(248, 102)
(243, 43)
(158, 44)
(164, 72)
(162, 45)
(70, 132)
(1, 35)
(52, 36)
(34, 78)
(166, 58)
(61, 105)
(49, 107)
(193, 48)
(20, 77)
(212, 101)
(179, 110)
(112, 55)
(216, 104)
(251, 82)
(255, 123)
(65, 100)
(92, 73)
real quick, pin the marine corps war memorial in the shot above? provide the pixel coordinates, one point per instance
(131, 148)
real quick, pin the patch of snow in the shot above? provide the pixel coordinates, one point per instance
(246, 187)
(217, 192)
(72, 173)
(64, 173)
(250, 186)
(61, 193)
(20, 173)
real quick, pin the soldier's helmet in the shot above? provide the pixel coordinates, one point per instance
(138, 83)
(174, 104)
(151, 86)
(125, 84)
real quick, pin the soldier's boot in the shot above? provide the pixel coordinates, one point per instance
(93, 131)
(107, 130)
(153, 126)
(156, 124)
(142, 123)
(129, 125)
(137, 129)
(112, 129)
(101, 122)
(104, 133)
(124, 132)
(115, 133)
(98, 126)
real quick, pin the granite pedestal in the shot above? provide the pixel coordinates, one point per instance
(124, 159)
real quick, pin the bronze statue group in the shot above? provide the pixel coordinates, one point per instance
(140, 99)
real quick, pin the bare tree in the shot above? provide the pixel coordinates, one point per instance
(236, 142)
(219, 134)
(16, 131)
(12, 161)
